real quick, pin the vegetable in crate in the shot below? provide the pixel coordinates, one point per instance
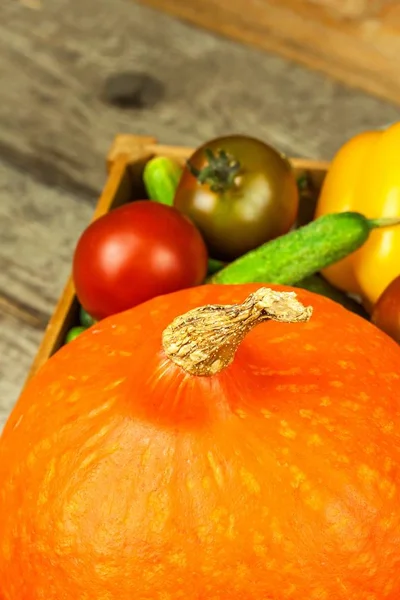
(161, 176)
(365, 176)
(182, 450)
(240, 193)
(317, 284)
(73, 333)
(386, 311)
(85, 319)
(135, 252)
(303, 251)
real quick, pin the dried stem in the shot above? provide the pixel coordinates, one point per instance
(204, 340)
(219, 172)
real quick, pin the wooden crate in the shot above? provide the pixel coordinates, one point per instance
(125, 162)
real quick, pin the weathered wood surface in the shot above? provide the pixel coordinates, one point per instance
(355, 41)
(56, 128)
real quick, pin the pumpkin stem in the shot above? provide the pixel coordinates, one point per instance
(204, 340)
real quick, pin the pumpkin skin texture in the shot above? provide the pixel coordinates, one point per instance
(123, 477)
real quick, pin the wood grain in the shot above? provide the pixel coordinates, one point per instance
(353, 9)
(362, 53)
(56, 129)
(60, 57)
(39, 228)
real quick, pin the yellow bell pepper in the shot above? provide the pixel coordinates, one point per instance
(364, 176)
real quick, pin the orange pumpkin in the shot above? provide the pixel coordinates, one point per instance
(208, 459)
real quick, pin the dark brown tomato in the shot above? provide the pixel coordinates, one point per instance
(240, 192)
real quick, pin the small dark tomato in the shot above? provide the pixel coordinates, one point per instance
(240, 193)
(386, 312)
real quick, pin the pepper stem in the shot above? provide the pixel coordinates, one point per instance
(204, 340)
(219, 172)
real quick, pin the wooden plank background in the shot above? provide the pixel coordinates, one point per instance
(361, 52)
(56, 128)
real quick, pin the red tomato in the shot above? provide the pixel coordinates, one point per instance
(134, 253)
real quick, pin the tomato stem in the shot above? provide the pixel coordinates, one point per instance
(204, 340)
(219, 172)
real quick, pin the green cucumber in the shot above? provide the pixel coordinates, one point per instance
(161, 176)
(303, 251)
(74, 333)
(319, 285)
